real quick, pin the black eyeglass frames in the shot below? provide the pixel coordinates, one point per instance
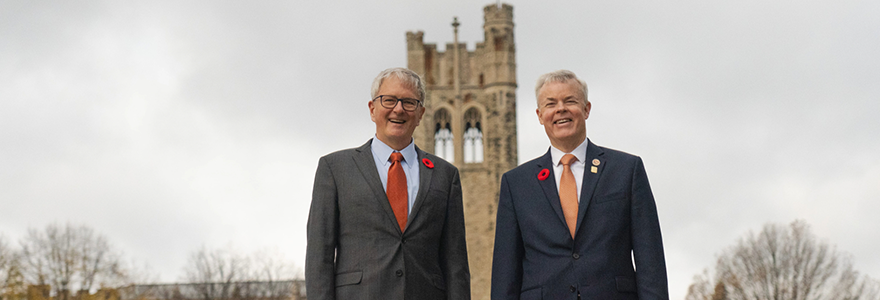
(409, 104)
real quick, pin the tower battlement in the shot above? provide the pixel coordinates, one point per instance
(498, 14)
(470, 121)
(414, 40)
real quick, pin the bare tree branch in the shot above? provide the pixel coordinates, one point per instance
(783, 262)
(6, 260)
(222, 274)
(68, 258)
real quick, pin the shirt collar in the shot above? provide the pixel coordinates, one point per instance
(384, 151)
(580, 152)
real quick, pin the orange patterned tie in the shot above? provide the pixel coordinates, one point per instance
(396, 190)
(568, 193)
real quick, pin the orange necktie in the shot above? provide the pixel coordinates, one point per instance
(568, 193)
(396, 189)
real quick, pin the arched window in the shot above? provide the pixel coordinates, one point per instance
(473, 137)
(443, 146)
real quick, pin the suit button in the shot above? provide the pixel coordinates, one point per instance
(572, 289)
(576, 256)
(399, 273)
(403, 241)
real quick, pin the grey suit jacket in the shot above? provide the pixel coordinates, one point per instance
(355, 248)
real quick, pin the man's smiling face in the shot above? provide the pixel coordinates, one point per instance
(395, 126)
(563, 112)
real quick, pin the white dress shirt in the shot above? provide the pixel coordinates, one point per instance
(577, 167)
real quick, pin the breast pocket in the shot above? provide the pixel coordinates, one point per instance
(438, 194)
(434, 203)
(615, 196)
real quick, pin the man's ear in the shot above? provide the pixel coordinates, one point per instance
(421, 114)
(587, 110)
(372, 110)
(538, 112)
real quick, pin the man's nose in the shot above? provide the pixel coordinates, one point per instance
(398, 105)
(560, 108)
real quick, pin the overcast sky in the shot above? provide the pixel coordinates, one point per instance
(168, 125)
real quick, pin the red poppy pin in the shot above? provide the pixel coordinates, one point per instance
(428, 163)
(543, 174)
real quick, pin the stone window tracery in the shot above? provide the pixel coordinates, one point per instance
(473, 137)
(443, 145)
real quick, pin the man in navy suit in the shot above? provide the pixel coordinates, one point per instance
(579, 222)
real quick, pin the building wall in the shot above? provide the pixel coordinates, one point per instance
(237, 290)
(487, 78)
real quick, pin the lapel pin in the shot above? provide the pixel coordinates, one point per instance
(594, 169)
(596, 162)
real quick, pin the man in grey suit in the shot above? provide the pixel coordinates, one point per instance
(572, 223)
(386, 219)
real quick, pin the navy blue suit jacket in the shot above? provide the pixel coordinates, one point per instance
(536, 257)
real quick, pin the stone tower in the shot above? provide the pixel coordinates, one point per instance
(471, 121)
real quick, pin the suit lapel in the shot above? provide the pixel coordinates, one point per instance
(425, 175)
(549, 186)
(363, 158)
(590, 180)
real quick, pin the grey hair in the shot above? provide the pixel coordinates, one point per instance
(407, 76)
(561, 76)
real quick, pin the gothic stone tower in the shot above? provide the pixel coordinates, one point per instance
(471, 122)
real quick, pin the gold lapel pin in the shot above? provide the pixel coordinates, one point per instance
(596, 162)
(594, 169)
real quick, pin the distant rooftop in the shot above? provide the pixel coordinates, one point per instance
(245, 290)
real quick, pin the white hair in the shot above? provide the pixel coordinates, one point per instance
(407, 76)
(561, 76)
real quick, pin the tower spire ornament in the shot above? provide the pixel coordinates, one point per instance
(456, 64)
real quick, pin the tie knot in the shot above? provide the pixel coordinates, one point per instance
(396, 157)
(568, 159)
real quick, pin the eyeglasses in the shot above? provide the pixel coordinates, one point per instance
(389, 102)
